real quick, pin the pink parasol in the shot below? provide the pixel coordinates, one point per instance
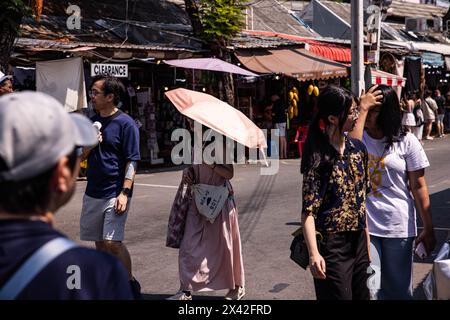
(217, 115)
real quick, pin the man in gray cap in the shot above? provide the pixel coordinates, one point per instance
(39, 164)
(6, 85)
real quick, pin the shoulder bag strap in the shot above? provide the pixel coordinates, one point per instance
(33, 265)
(115, 115)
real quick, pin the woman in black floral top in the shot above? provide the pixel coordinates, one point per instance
(335, 184)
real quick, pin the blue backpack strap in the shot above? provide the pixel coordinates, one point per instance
(33, 265)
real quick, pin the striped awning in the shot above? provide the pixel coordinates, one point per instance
(332, 51)
(296, 63)
(382, 77)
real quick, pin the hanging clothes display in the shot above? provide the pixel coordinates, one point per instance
(412, 73)
(64, 80)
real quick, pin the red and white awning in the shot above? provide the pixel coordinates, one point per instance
(382, 77)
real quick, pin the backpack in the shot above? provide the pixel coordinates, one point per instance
(418, 115)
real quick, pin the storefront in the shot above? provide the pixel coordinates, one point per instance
(297, 76)
(145, 81)
(132, 50)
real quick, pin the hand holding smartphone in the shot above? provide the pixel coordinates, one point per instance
(421, 252)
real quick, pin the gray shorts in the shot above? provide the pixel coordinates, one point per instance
(282, 128)
(99, 220)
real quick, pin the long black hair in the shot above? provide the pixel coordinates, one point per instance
(333, 101)
(390, 117)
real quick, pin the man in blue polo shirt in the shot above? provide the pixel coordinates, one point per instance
(110, 174)
(39, 165)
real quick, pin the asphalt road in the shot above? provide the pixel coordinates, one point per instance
(269, 208)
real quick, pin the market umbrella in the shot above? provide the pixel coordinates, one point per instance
(218, 115)
(212, 64)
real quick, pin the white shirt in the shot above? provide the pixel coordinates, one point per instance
(390, 205)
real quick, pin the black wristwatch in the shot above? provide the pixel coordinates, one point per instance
(126, 191)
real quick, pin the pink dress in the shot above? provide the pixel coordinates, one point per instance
(210, 256)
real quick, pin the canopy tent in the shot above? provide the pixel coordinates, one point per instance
(297, 63)
(212, 64)
(64, 80)
(382, 77)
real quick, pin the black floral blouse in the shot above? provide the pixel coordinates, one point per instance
(339, 203)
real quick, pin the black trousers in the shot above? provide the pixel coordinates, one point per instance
(347, 266)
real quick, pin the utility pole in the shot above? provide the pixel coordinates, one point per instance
(357, 69)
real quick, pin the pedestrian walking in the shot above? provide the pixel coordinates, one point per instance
(335, 183)
(429, 109)
(397, 165)
(417, 130)
(440, 102)
(447, 113)
(267, 124)
(408, 120)
(279, 121)
(110, 174)
(39, 165)
(210, 254)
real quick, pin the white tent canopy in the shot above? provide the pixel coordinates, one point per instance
(64, 80)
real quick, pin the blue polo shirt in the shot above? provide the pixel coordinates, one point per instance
(102, 276)
(107, 161)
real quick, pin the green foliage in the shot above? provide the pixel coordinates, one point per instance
(12, 11)
(221, 19)
(15, 7)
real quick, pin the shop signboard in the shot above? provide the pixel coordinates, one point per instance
(115, 70)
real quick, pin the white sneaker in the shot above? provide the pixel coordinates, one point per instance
(180, 296)
(235, 294)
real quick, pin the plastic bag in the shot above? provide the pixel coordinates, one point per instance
(437, 283)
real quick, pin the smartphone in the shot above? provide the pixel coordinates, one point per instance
(420, 251)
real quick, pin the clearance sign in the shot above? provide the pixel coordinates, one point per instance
(116, 70)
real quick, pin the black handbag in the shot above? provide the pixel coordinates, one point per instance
(299, 249)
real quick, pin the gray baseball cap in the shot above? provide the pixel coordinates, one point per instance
(36, 131)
